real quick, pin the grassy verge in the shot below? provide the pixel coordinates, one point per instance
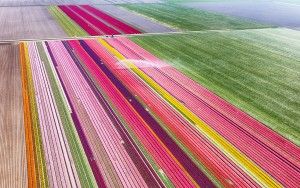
(191, 19)
(256, 70)
(68, 25)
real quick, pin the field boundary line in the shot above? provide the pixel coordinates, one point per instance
(133, 35)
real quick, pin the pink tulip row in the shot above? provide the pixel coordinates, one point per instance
(60, 165)
(166, 157)
(95, 122)
(114, 159)
(275, 154)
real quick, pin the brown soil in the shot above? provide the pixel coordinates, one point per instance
(13, 166)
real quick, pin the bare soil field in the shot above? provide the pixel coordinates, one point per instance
(31, 22)
(271, 12)
(139, 21)
(13, 169)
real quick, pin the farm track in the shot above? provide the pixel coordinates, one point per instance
(149, 34)
(13, 168)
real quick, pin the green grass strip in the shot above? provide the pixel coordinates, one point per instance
(81, 162)
(256, 70)
(69, 26)
(38, 145)
(191, 19)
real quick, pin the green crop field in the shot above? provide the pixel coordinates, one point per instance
(69, 26)
(191, 19)
(256, 70)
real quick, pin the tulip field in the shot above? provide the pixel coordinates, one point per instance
(246, 64)
(142, 93)
(121, 116)
(83, 20)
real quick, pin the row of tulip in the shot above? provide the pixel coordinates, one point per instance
(80, 20)
(109, 113)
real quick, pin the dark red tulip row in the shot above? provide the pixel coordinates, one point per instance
(96, 22)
